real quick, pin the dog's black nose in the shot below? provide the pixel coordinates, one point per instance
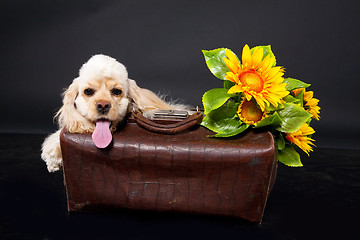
(103, 106)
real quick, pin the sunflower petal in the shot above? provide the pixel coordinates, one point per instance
(248, 96)
(261, 104)
(235, 89)
(233, 66)
(265, 64)
(256, 58)
(301, 138)
(308, 95)
(307, 130)
(231, 77)
(231, 56)
(272, 72)
(246, 56)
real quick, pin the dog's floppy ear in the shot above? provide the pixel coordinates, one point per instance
(68, 117)
(144, 99)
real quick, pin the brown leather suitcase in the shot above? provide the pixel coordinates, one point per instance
(184, 171)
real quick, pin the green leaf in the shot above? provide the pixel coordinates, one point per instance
(300, 98)
(266, 51)
(228, 84)
(292, 118)
(214, 61)
(222, 120)
(234, 132)
(214, 99)
(289, 157)
(309, 121)
(291, 99)
(280, 141)
(273, 120)
(233, 104)
(292, 84)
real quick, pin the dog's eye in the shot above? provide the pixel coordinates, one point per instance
(89, 91)
(116, 91)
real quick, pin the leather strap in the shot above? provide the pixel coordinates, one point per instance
(173, 128)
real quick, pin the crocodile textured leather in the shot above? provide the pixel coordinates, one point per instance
(185, 172)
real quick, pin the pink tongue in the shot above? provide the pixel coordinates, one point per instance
(102, 136)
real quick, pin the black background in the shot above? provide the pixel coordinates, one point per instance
(44, 43)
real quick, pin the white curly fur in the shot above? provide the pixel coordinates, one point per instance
(78, 113)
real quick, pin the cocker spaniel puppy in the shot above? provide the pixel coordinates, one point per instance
(96, 102)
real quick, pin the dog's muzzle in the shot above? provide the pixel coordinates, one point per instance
(102, 106)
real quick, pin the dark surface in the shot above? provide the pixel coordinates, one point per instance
(319, 201)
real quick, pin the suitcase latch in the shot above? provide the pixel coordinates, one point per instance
(170, 114)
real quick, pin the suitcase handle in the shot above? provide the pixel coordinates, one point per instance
(173, 128)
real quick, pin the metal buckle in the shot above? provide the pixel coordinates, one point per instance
(170, 114)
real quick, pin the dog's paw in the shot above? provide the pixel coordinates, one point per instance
(51, 152)
(53, 162)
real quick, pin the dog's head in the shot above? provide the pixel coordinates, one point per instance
(101, 97)
(102, 90)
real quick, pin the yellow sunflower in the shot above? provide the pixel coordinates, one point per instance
(310, 103)
(301, 138)
(256, 77)
(250, 113)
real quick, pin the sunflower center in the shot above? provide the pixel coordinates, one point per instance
(252, 80)
(250, 111)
